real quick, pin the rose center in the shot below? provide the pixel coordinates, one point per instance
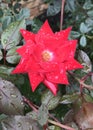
(46, 56)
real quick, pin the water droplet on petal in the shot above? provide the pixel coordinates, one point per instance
(56, 77)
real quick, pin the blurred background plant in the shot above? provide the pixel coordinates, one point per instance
(73, 105)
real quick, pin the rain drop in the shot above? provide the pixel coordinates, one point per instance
(5, 41)
(11, 89)
(19, 124)
(14, 96)
(22, 103)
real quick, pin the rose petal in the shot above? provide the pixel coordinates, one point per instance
(51, 86)
(35, 80)
(57, 77)
(45, 29)
(32, 65)
(49, 66)
(64, 34)
(20, 68)
(26, 49)
(66, 51)
(27, 35)
(72, 64)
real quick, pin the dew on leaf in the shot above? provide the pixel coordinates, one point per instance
(22, 103)
(5, 41)
(19, 124)
(13, 96)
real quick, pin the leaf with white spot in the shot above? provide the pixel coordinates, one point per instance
(11, 102)
(5, 73)
(11, 35)
(84, 59)
(32, 115)
(43, 115)
(19, 123)
(50, 100)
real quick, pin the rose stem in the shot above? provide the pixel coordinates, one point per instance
(62, 12)
(50, 121)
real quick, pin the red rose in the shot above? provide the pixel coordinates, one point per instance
(46, 56)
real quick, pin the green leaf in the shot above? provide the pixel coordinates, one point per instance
(84, 28)
(50, 100)
(70, 98)
(35, 24)
(32, 115)
(88, 5)
(1, 55)
(54, 8)
(74, 34)
(70, 5)
(85, 60)
(1, 12)
(19, 123)
(11, 102)
(5, 73)
(12, 56)
(11, 36)
(6, 21)
(24, 13)
(43, 115)
(90, 13)
(88, 97)
(5, 70)
(83, 41)
(89, 23)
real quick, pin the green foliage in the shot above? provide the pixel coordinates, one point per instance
(11, 36)
(79, 15)
(54, 8)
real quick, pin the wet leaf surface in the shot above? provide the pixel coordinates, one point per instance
(70, 98)
(43, 115)
(12, 56)
(19, 123)
(85, 60)
(50, 100)
(11, 102)
(11, 35)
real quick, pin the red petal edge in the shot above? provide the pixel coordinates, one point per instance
(51, 86)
